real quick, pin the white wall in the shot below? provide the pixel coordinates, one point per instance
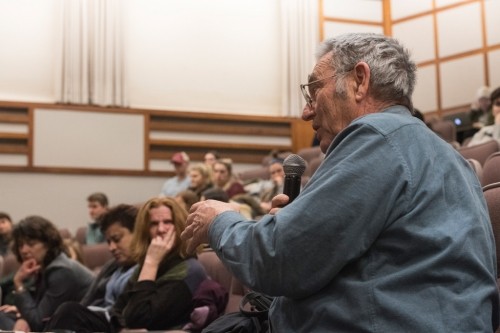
(195, 55)
(28, 37)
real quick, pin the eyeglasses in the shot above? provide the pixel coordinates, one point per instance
(305, 91)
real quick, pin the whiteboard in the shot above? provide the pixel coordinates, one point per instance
(80, 139)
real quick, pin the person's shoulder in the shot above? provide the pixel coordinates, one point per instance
(389, 120)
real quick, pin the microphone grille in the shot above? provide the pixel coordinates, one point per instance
(294, 165)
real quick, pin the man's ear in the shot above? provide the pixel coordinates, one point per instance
(362, 80)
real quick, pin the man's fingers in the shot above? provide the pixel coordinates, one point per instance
(187, 233)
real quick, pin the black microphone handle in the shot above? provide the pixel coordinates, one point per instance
(291, 186)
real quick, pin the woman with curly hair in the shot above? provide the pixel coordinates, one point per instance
(46, 278)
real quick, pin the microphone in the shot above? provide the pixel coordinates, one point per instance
(294, 166)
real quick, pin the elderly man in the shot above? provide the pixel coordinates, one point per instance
(391, 234)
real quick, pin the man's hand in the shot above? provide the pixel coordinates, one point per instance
(278, 202)
(199, 220)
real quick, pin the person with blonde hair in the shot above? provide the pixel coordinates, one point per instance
(159, 294)
(200, 178)
(222, 176)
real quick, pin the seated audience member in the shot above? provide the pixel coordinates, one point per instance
(117, 225)
(391, 233)
(278, 178)
(200, 179)
(210, 158)
(159, 294)
(490, 132)
(180, 181)
(97, 204)
(45, 279)
(480, 108)
(223, 178)
(186, 199)
(5, 233)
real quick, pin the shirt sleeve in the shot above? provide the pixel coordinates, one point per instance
(356, 193)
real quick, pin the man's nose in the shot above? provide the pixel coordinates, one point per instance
(111, 246)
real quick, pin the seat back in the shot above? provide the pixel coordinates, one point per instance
(310, 153)
(81, 234)
(65, 233)
(218, 272)
(492, 195)
(95, 256)
(491, 169)
(10, 264)
(478, 169)
(446, 129)
(480, 152)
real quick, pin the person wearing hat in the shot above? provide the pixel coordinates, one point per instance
(490, 132)
(181, 180)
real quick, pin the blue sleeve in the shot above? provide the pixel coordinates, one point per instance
(298, 251)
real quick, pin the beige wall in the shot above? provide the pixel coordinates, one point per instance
(222, 56)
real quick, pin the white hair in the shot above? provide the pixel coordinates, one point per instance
(393, 73)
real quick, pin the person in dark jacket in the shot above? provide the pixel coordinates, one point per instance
(117, 225)
(46, 278)
(159, 294)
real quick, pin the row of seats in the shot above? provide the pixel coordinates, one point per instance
(492, 196)
(488, 173)
(219, 273)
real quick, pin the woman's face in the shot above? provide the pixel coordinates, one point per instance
(160, 221)
(33, 249)
(196, 179)
(209, 159)
(119, 239)
(220, 174)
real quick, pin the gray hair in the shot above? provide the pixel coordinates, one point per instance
(393, 73)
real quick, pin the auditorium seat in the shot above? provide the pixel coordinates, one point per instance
(95, 256)
(478, 169)
(218, 272)
(254, 175)
(480, 152)
(310, 153)
(65, 233)
(446, 129)
(491, 169)
(492, 196)
(10, 264)
(80, 234)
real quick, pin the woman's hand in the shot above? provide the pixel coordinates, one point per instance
(27, 269)
(159, 247)
(8, 308)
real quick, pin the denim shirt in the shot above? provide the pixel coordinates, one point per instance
(391, 234)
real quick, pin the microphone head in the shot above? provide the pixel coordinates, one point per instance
(294, 165)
